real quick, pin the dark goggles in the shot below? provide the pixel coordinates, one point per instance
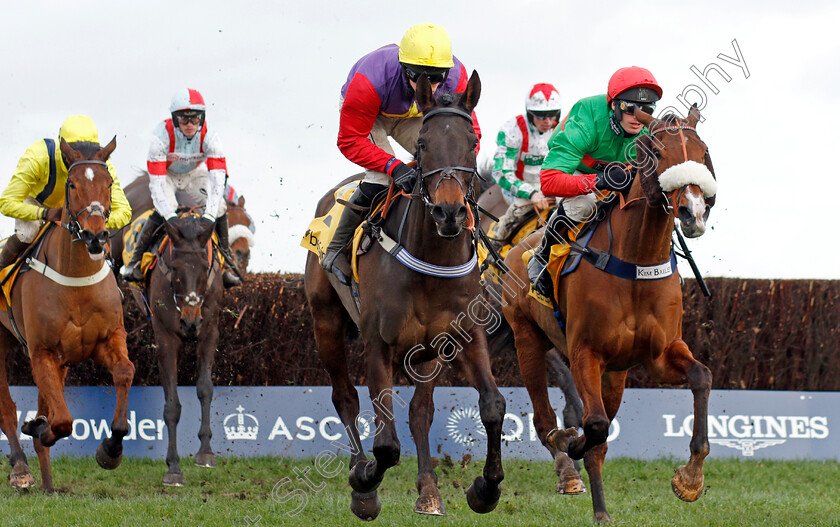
(187, 119)
(435, 75)
(630, 107)
(549, 114)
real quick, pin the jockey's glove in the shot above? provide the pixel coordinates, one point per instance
(53, 214)
(404, 177)
(615, 177)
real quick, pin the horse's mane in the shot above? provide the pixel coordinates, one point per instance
(86, 148)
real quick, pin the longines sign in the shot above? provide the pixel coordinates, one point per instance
(301, 422)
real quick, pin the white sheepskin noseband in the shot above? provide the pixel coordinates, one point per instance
(689, 173)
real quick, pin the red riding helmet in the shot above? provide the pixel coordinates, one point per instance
(639, 84)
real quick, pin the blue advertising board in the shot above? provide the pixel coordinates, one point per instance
(300, 421)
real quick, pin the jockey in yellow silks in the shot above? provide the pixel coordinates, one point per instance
(36, 192)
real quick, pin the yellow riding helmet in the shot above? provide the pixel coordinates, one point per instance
(426, 45)
(78, 128)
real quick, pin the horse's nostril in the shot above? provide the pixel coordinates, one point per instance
(462, 213)
(438, 214)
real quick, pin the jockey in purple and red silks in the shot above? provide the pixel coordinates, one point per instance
(377, 101)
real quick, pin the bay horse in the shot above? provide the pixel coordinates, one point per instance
(67, 308)
(404, 315)
(614, 323)
(183, 297)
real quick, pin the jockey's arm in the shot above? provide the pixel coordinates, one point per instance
(358, 113)
(32, 168)
(566, 151)
(217, 168)
(463, 80)
(161, 189)
(120, 208)
(508, 146)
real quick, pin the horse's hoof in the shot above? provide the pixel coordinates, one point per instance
(568, 478)
(105, 461)
(602, 518)
(358, 480)
(431, 505)
(571, 484)
(559, 439)
(206, 460)
(33, 427)
(481, 498)
(687, 488)
(21, 478)
(173, 480)
(365, 506)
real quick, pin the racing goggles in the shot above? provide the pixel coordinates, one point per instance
(547, 114)
(631, 107)
(189, 119)
(435, 75)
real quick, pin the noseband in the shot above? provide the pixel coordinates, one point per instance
(73, 225)
(446, 172)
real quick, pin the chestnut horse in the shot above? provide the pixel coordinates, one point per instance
(68, 311)
(614, 323)
(241, 233)
(183, 296)
(403, 314)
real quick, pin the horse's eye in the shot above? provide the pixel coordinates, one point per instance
(421, 144)
(70, 184)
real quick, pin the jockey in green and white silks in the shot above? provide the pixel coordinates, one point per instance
(589, 151)
(521, 146)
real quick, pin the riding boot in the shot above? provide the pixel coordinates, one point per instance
(350, 220)
(132, 271)
(504, 227)
(11, 251)
(538, 273)
(229, 277)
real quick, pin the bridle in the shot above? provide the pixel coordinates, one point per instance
(446, 172)
(74, 225)
(169, 272)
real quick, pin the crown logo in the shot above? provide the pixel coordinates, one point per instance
(237, 429)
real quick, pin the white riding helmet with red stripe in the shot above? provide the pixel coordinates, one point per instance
(543, 98)
(187, 99)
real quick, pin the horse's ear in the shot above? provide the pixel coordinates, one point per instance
(68, 153)
(423, 93)
(241, 202)
(204, 236)
(469, 99)
(693, 116)
(172, 230)
(106, 152)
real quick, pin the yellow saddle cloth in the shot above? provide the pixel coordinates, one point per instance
(6, 298)
(322, 229)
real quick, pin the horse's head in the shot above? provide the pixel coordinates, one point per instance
(675, 169)
(240, 234)
(191, 264)
(88, 193)
(446, 153)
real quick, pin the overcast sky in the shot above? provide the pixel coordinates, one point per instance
(271, 74)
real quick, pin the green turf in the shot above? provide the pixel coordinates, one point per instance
(638, 493)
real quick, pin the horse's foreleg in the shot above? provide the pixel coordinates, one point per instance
(168, 347)
(49, 377)
(114, 355)
(204, 388)
(36, 426)
(612, 388)
(587, 371)
(420, 414)
(573, 409)
(365, 477)
(21, 476)
(530, 350)
(678, 366)
(483, 494)
(329, 321)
